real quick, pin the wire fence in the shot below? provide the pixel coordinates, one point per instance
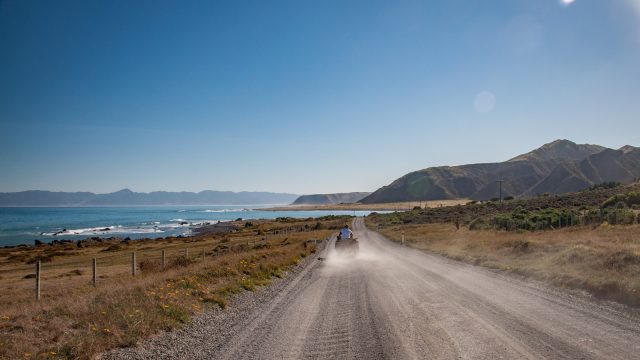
(88, 270)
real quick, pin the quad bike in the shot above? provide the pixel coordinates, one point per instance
(347, 246)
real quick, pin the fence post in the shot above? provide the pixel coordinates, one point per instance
(133, 263)
(164, 259)
(95, 271)
(38, 279)
(204, 253)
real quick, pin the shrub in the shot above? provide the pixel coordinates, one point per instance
(620, 216)
(521, 219)
(633, 198)
(150, 265)
(612, 201)
(478, 224)
(605, 185)
(630, 199)
(182, 261)
(114, 247)
(593, 216)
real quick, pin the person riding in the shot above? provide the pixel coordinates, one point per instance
(345, 233)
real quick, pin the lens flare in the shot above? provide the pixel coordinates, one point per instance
(484, 102)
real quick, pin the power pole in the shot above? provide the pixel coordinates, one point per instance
(500, 182)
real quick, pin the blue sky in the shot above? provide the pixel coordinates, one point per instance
(302, 96)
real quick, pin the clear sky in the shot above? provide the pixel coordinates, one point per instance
(303, 96)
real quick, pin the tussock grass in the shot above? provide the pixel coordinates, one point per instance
(76, 320)
(604, 260)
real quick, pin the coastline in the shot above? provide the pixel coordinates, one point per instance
(25, 225)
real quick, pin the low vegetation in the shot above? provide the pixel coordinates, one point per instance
(75, 320)
(614, 204)
(587, 240)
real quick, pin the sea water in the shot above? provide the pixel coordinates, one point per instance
(23, 225)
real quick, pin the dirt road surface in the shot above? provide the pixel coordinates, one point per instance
(391, 302)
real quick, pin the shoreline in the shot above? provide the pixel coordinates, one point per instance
(54, 225)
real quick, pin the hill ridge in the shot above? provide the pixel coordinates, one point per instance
(126, 197)
(557, 167)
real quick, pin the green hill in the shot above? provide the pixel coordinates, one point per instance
(558, 167)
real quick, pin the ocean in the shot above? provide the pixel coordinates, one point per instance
(23, 225)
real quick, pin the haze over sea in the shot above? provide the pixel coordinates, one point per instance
(23, 225)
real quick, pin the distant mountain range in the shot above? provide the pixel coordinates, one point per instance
(330, 199)
(127, 197)
(558, 167)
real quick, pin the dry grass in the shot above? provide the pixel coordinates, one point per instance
(604, 260)
(76, 320)
(396, 206)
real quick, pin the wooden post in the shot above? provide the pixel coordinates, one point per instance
(133, 263)
(164, 259)
(38, 279)
(402, 237)
(95, 271)
(204, 253)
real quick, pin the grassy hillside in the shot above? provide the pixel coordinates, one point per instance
(558, 167)
(330, 199)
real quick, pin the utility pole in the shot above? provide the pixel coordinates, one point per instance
(500, 182)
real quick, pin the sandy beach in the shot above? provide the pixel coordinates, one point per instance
(396, 206)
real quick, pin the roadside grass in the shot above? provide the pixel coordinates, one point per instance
(603, 260)
(76, 320)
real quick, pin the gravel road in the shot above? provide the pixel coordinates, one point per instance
(397, 303)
